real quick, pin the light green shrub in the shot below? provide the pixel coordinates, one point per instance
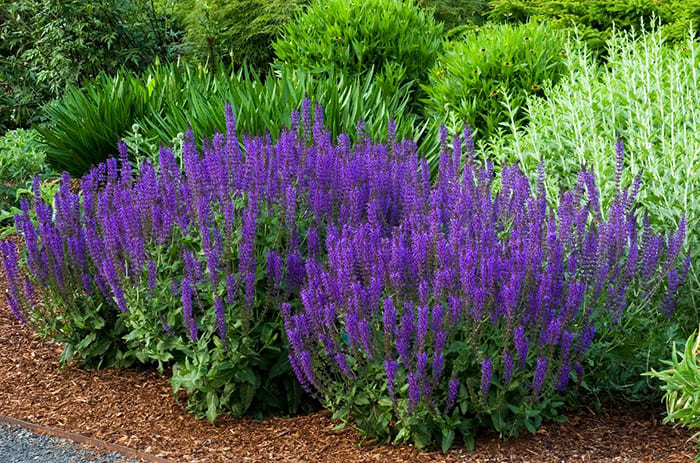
(21, 156)
(484, 78)
(681, 383)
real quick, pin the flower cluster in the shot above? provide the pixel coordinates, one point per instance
(474, 281)
(443, 288)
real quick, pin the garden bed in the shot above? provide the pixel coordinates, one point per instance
(138, 410)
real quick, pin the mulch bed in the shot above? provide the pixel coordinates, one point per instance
(138, 410)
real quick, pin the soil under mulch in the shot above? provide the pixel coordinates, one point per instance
(138, 410)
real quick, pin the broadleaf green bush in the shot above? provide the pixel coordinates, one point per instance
(395, 39)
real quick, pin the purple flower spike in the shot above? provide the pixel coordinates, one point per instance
(540, 372)
(486, 372)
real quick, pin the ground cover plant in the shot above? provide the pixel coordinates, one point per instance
(151, 110)
(646, 94)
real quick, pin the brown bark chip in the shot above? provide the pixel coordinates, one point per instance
(138, 410)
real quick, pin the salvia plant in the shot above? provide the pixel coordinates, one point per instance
(450, 306)
(183, 262)
(420, 309)
(647, 94)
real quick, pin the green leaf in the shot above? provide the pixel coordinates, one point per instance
(447, 439)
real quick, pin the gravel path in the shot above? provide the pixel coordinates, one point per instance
(20, 445)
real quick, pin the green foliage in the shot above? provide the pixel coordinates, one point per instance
(595, 19)
(150, 111)
(251, 374)
(395, 38)
(484, 79)
(21, 158)
(647, 93)
(681, 383)
(45, 45)
(456, 13)
(233, 32)
(508, 408)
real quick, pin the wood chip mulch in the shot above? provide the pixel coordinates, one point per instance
(138, 410)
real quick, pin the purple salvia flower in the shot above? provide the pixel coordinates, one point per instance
(308, 368)
(391, 367)
(403, 340)
(507, 366)
(274, 269)
(152, 277)
(438, 364)
(305, 385)
(414, 391)
(486, 373)
(230, 288)
(585, 339)
(563, 377)
(540, 372)
(190, 321)
(521, 344)
(452, 390)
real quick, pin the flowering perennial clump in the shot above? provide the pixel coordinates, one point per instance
(427, 305)
(476, 301)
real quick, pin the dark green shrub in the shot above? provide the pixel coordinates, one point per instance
(456, 13)
(47, 44)
(594, 19)
(484, 79)
(150, 111)
(233, 32)
(395, 38)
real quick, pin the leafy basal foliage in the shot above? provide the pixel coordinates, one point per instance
(151, 110)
